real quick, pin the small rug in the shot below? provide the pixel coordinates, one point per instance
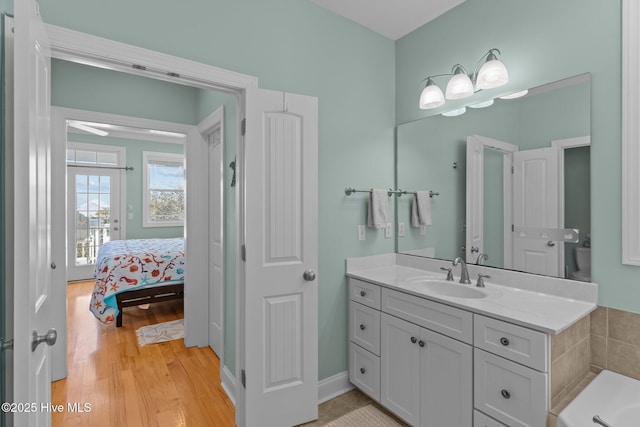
(367, 416)
(161, 332)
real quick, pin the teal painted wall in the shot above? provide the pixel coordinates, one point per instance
(95, 89)
(134, 181)
(543, 41)
(287, 44)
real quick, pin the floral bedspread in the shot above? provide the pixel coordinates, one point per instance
(124, 265)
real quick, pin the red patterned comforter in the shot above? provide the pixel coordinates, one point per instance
(124, 265)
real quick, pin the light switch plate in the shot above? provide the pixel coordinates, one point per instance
(401, 229)
(362, 232)
(388, 231)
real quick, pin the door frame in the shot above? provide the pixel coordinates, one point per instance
(561, 145)
(121, 188)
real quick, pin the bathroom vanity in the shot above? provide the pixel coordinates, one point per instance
(441, 353)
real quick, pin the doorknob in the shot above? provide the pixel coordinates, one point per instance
(50, 338)
(309, 275)
(551, 243)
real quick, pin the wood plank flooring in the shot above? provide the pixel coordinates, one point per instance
(162, 384)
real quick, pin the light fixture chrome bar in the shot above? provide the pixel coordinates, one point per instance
(550, 234)
(125, 168)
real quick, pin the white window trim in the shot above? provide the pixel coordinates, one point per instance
(146, 157)
(630, 132)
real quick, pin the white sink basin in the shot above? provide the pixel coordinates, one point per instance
(451, 289)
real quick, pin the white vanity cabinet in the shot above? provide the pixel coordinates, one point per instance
(416, 371)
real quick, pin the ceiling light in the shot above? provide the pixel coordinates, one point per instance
(489, 73)
(516, 94)
(483, 104)
(86, 128)
(431, 96)
(456, 112)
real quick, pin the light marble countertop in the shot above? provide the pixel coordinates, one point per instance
(541, 311)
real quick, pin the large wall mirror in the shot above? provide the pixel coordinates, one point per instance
(510, 182)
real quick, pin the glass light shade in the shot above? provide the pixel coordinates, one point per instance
(456, 112)
(459, 87)
(483, 104)
(492, 74)
(516, 94)
(431, 97)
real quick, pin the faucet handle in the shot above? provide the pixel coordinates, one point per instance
(481, 277)
(449, 273)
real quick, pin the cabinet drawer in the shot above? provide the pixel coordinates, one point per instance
(365, 293)
(365, 327)
(516, 343)
(509, 392)
(441, 318)
(481, 420)
(364, 371)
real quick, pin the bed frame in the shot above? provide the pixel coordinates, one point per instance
(147, 296)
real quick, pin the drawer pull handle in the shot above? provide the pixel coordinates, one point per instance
(414, 340)
(362, 370)
(421, 343)
(504, 341)
(362, 327)
(362, 293)
(505, 394)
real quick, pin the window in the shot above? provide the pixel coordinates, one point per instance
(163, 189)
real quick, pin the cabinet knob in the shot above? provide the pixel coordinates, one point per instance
(504, 341)
(362, 327)
(362, 293)
(421, 343)
(505, 394)
(414, 340)
(362, 370)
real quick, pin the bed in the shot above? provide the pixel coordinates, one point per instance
(134, 272)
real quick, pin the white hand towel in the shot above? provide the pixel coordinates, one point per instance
(378, 208)
(421, 209)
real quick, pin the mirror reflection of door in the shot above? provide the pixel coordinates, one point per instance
(94, 205)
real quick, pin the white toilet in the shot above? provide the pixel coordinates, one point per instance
(583, 261)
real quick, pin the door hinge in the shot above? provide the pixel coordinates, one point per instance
(243, 127)
(243, 253)
(513, 228)
(6, 345)
(511, 167)
(243, 378)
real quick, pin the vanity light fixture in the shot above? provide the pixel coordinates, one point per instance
(456, 112)
(489, 73)
(483, 104)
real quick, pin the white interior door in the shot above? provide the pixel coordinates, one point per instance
(536, 207)
(32, 215)
(278, 335)
(212, 130)
(93, 216)
(476, 146)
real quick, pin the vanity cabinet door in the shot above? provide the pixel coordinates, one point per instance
(446, 381)
(400, 368)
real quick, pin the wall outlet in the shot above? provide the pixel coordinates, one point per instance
(362, 232)
(388, 231)
(401, 229)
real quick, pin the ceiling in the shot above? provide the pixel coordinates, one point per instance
(391, 18)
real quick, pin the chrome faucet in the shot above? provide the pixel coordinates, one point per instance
(482, 258)
(464, 273)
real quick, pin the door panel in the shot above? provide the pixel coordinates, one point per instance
(536, 206)
(279, 335)
(32, 213)
(94, 216)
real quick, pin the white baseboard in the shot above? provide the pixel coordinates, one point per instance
(228, 384)
(334, 386)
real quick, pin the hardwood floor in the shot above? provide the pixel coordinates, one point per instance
(162, 384)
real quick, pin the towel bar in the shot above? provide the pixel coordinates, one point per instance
(350, 190)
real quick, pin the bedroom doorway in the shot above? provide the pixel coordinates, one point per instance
(95, 180)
